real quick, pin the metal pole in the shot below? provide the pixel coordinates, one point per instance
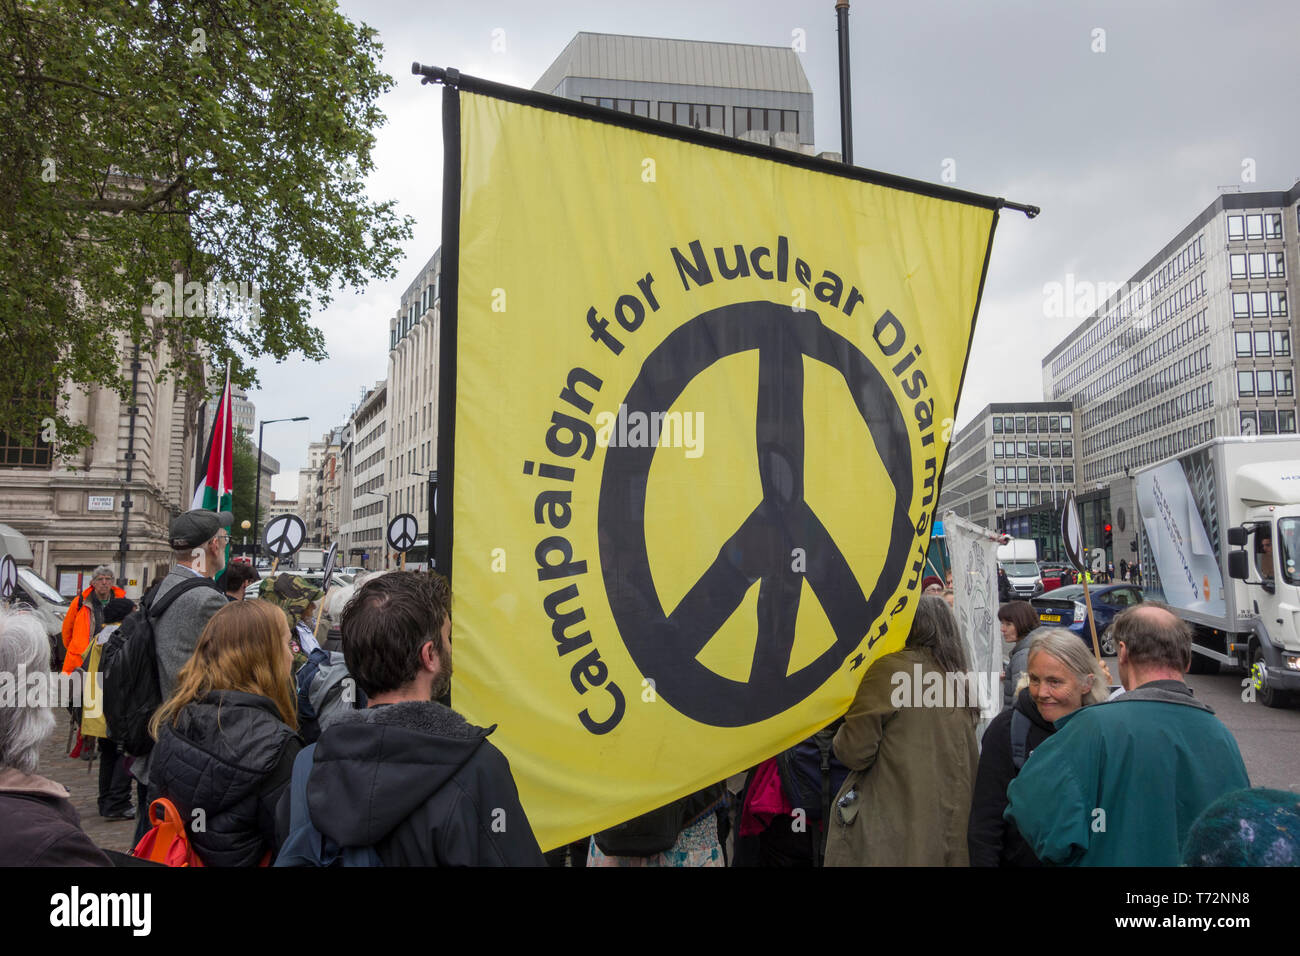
(257, 493)
(846, 108)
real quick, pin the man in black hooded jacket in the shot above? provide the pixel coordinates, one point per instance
(408, 776)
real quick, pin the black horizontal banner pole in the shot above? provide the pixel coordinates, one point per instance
(454, 79)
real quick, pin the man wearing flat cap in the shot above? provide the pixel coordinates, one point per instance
(198, 541)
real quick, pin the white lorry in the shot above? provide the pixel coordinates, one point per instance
(1219, 541)
(1019, 559)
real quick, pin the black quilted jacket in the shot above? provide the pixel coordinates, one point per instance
(229, 755)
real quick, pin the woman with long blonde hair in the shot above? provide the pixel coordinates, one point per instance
(228, 736)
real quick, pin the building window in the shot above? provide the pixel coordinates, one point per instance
(1237, 265)
(1264, 382)
(997, 424)
(1273, 225)
(1241, 305)
(1267, 422)
(1020, 424)
(1022, 473)
(1286, 421)
(1277, 303)
(1245, 383)
(1284, 381)
(1031, 424)
(997, 449)
(1243, 343)
(999, 499)
(1053, 423)
(1022, 449)
(773, 121)
(999, 474)
(1067, 449)
(1055, 450)
(1259, 304)
(1255, 226)
(1033, 449)
(1281, 343)
(1067, 424)
(1256, 260)
(1024, 499)
(637, 107)
(1033, 474)
(697, 115)
(1276, 265)
(1236, 225)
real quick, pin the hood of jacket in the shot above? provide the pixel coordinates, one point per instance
(374, 767)
(1025, 704)
(219, 750)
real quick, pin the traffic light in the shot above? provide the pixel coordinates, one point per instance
(1106, 542)
(1133, 546)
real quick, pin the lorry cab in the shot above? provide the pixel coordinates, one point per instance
(1268, 563)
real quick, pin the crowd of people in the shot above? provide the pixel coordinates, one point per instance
(275, 750)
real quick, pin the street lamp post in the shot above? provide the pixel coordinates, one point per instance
(245, 525)
(257, 479)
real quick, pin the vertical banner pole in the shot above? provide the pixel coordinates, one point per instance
(846, 106)
(441, 525)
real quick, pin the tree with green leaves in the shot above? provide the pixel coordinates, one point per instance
(183, 176)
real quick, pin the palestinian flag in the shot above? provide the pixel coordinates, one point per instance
(218, 476)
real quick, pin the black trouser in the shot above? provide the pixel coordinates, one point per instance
(114, 781)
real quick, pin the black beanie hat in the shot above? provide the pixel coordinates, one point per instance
(117, 609)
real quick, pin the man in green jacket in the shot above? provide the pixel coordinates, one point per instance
(1120, 783)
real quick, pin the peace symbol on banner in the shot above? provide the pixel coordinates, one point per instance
(402, 532)
(284, 536)
(329, 564)
(666, 642)
(8, 577)
(1072, 533)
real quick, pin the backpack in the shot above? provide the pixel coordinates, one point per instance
(810, 777)
(129, 666)
(305, 845)
(326, 689)
(1019, 739)
(167, 842)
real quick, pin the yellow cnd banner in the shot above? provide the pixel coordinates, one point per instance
(702, 399)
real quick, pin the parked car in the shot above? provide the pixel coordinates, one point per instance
(1065, 607)
(1052, 576)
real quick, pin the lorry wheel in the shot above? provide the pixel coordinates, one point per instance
(1266, 695)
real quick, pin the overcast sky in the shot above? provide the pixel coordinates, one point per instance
(1121, 147)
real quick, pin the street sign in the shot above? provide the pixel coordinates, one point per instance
(99, 503)
(8, 577)
(402, 532)
(329, 565)
(284, 536)
(1098, 560)
(1071, 533)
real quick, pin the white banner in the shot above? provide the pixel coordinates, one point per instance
(973, 552)
(1189, 568)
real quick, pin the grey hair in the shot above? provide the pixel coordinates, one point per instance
(1074, 654)
(24, 649)
(103, 571)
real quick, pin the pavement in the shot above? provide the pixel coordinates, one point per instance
(81, 777)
